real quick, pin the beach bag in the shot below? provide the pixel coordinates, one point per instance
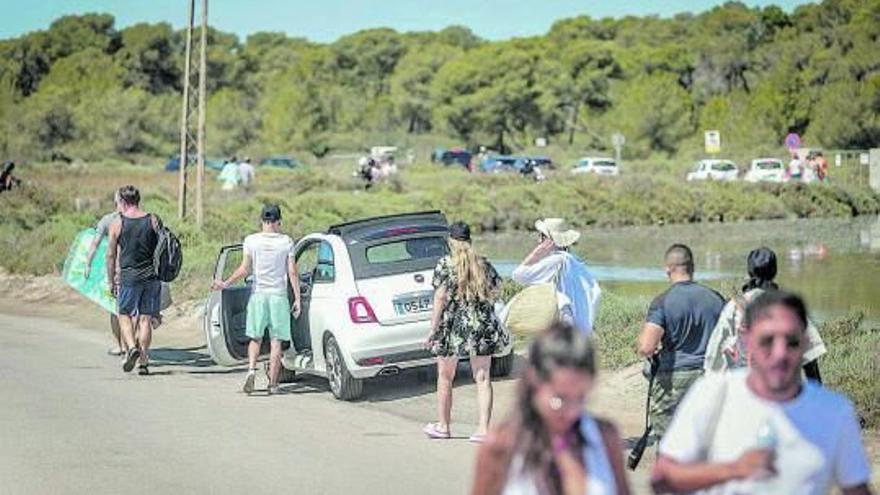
(532, 310)
(168, 257)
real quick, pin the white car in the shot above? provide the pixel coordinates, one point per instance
(598, 166)
(766, 170)
(723, 170)
(366, 302)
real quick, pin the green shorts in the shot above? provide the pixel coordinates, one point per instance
(268, 310)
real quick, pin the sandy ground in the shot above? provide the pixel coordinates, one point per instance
(72, 422)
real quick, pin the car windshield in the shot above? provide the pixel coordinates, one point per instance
(723, 166)
(406, 250)
(769, 165)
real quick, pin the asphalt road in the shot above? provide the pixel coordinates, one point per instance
(72, 422)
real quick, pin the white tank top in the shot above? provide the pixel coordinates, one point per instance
(600, 475)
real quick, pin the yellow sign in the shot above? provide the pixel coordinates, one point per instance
(713, 141)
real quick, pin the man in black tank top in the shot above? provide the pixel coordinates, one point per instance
(138, 289)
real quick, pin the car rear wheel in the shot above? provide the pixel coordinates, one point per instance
(502, 366)
(342, 384)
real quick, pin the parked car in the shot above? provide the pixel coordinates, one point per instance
(542, 161)
(457, 156)
(498, 164)
(366, 302)
(596, 165)
(281, 162)
(173, 164)
(724, 170)
(766, 170)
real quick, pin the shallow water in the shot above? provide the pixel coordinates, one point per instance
(833, 263)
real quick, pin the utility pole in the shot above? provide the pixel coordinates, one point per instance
(184, 119)
(192, 140)
(200, 163)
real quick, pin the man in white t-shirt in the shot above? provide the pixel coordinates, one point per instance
(764, 429)
(269, 255)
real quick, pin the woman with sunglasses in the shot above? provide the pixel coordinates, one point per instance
(551, 444)
(727, 344)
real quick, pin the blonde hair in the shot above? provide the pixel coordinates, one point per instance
(470, 270)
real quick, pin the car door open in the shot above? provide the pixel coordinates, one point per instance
(226, 312)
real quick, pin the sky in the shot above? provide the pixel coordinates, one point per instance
(327, 20)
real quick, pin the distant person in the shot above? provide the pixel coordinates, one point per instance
(269, 255)
(727, 348)
(7, 180)
(821, 167)
(102, 229)
(229, 175)
(764, 429)
(138, 291)
(464, 325)
(551, 261)
(246, 174)
(551, 444)
(675, 335)
(795, 168)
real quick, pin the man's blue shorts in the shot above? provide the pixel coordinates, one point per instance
(140, 298)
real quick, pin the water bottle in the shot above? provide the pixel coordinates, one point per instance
(767, 438)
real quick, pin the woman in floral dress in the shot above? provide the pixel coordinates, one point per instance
(464, 324)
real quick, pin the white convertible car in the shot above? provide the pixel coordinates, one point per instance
(366, 302)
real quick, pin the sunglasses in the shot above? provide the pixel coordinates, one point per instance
(792, 342)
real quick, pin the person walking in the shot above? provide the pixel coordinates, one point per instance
(675, 335)
(764, 429)
(246, 174)
(551, 261)
(551, 444)
(229, 175)
(464, 324)
(269, 255)
(102, 228)
(138, 291)
(726, 348)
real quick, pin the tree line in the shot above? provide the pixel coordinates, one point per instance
(87, 89)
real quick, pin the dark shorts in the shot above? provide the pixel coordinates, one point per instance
(140, 298)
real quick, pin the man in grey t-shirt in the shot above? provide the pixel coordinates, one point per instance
(101, 229)
(675, 334)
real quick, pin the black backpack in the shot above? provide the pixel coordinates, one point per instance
(168, 257)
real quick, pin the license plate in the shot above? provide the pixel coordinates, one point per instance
(412, 305)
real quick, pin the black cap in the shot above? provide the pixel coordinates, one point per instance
(271, 213)
(762, 264)
(460, 231)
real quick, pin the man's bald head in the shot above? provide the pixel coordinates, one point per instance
(679, 258)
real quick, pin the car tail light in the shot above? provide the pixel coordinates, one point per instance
(360, 311)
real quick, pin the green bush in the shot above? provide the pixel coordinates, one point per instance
(852, 365)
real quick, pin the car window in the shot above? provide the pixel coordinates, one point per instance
(307, 260)
(233, 260)
(325, 270)
(769, 165)
(605, 163)
(406, 250)
(723, 167)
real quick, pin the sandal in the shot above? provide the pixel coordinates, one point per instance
(478, 438)
(435, 433)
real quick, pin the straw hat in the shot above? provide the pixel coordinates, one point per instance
(557, 230)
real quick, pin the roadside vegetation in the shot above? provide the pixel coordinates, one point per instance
(87, 89)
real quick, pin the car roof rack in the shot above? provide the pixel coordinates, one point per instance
(425, 217)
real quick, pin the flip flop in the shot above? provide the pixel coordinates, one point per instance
(477, 438)
(435, 433)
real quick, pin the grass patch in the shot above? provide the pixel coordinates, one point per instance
(852, 365)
